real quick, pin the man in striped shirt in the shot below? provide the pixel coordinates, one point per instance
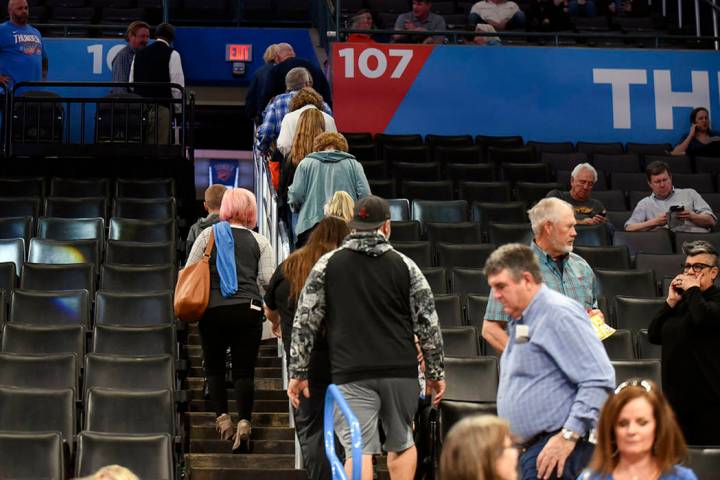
(137, 35)
(553, 223)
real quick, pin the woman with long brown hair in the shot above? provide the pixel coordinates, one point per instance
(305, 99)
(280, 302)
(638, 437)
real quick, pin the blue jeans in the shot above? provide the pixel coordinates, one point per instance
(587, 10)
(575, 463)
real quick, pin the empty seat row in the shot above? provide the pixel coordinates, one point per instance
(88, 207)
(98, 187)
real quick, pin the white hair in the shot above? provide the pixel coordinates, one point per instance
(546, 210)
(584, 166)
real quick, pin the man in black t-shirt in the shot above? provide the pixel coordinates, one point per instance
(588, 211)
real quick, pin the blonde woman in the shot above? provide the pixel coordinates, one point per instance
(340, 205)
(112, 472)
(479, 448)
(306, 99)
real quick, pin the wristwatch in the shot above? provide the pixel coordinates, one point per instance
(569, 435)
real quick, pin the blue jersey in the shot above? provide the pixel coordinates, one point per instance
(21, 53)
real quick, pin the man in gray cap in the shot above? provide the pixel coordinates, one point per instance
(373, 320)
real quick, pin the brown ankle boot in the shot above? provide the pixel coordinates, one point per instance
(225, 427)
(243, 435)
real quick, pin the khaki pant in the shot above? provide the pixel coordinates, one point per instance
(158, 123)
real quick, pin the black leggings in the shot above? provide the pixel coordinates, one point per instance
(240, 328)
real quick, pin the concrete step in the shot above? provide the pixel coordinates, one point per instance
(263, 461)
(265, 350)
(195, 383)
(260, 394)
(256, 446)
(265, 406)
(205, 419)
(260, 372)
(196, 361)
(222, 473)
(208, 432)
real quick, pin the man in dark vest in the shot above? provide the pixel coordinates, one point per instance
(375, 306)
(160, 63)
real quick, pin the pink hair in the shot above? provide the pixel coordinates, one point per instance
(239, 206)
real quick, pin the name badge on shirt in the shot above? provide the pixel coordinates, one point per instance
(522, 334)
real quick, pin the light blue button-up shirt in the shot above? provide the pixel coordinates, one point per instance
(560, 377)
(652, 206)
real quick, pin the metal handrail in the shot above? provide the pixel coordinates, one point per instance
(156, 101)
(4, 118)
(335, 397)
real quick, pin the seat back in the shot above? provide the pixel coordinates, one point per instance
(399, 209)
(456, 233)
(563, 161)
(8, 280)
(609, 257)
(466, 256)
(130, 411)
(484, 191)
(155, 372)
(437, 279)
(405, 231)
(56, 371)
(44, 339)
(13, 250)
(16, 227)
(148, 456)
(427, 190)
(144, 208)
(120, 278)
(79, 187)
(460, 342)
(134, 309)
(419, 252)
(85, 207)
(51, 228)
(449, 310)
(139, 253)
(467, 154)
(700, 182)
(635, 283)
(599, 147)
(22, 187)
(653, 241)
(471, 379)
(153, 340)
(150, 188)
(705, 462)
(619, 345)
(32, 455)
(469, 280)
(635, 313)
(426, 211)
(500, 233)
(645, 349)
(19, 207)
(38, 276)
(63, 252)
(450, 412)
(132, 230)
(611, 199)
(665, 265)
(646, 369)
(592, 235)
(67, 307)
(38, 410)
(533, 192)
(618, 162)
(498, 155)
(682, 237)
(485, 213)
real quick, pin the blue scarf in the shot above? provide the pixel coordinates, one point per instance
(225, 263)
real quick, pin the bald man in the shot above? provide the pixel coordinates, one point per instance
(22, 56)
(285, 60)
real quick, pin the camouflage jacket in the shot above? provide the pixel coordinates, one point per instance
(310, 312)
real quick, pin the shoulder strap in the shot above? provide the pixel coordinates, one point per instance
(211, 243)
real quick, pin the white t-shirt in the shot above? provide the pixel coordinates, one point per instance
(289, 124)
(495, 12)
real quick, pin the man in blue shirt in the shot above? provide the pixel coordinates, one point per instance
(22, 56)
(554, 372)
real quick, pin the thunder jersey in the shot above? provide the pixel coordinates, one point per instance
(21, 53)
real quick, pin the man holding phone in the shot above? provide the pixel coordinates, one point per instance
(679, 209)
(587, 210)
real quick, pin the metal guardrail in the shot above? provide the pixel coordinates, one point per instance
(38, 102)
(334, 397)
(5, 107)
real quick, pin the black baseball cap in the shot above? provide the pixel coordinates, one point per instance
(370, 212)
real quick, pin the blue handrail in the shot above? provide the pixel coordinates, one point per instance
(332, 397)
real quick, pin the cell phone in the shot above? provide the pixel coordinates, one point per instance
(603, 213)
(676, 208)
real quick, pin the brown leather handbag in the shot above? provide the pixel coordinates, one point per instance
(192, 291)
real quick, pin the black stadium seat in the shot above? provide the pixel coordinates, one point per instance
(618, 162)
(63, 252)
(148, 456)
(144, 208)
(619, 345)
(449, 310)
(460, 342)
(682, 237)
(140, 253)
(44, 339)
(471, 379)
(627, 369)
(705, 462)
(56, 371)
(416, 171)
(151, 188)
(38, 410)
(130, 411)
(466, 256)
(79, 187)
(469, 154)
(611, 199)
(150, 372)
(419, 252)
(635, 313)
(653, 241)
(426, 211)
(32, 455)
(406, 153)
(635, 283)
(427, 190)
(68, 207)
(437, 279)
(66, 307)
(134, 309)
(499, 155)
(405, 231)
(120, 278)
(52, 228)
(645, 349)
(532, 192)
(565, 161)
(592, 235)
(132, 230)
(462, 232)
(665, 265)
(19, 207)
(464, 172)
(484, 191)
(437, 141)
(609, 257)
(13, 250)
(465, 281)
(592, 148)
(506, 212)
(16, 227)
(399, 208)
(36, 276)
(501, 233)
(22, 187)
(152, 340)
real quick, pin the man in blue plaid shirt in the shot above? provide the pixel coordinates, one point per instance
(268, 132)
(553, 224)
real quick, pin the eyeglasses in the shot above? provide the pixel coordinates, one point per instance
(696, 267)
(635, 382)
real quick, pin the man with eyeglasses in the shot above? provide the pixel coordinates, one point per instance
(679, 209)
(587, 210)
(688, 328)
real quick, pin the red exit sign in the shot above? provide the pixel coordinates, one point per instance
(238, 52)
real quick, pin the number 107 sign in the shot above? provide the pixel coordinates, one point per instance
(370, 80)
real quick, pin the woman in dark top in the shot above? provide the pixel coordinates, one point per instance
(700, 135)
(280, 302)
(241, 261)
(688, 328)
